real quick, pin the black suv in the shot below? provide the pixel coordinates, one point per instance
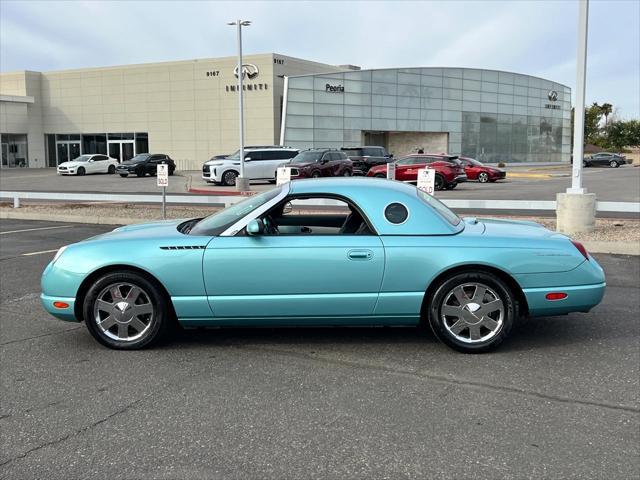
(144, 163)
(364, 158)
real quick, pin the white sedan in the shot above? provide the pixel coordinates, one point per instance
(93, 163)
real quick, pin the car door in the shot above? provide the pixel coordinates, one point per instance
(101, 163)
(254, 165)
(322, 279)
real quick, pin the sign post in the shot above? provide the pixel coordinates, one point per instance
(427, 180)
(283, 175)
(162, 175)
(391, 171)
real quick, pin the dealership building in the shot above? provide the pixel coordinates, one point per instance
(189, 110)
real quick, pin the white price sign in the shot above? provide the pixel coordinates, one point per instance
(283, 175)
(391, 171)
(427, 180)
(162, 175)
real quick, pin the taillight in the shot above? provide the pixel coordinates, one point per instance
(581, 249)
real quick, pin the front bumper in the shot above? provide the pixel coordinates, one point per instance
(460, 178)
(67, 314)
(67, 171)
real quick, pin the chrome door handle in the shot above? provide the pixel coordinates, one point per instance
(360, 254)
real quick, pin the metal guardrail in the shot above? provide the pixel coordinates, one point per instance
(218, 200)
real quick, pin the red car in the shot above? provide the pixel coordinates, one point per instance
(449, 170)
(476, 170)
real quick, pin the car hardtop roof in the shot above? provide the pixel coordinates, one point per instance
(320, 150)
(268, 147)
(373, 195)
(362, 146)
(442, 155)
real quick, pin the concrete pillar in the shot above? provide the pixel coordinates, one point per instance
(242, 184)
(575, 212)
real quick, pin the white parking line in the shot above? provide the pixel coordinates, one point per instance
(34, 229)
(39, 253)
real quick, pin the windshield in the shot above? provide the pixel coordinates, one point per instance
(218, 222)
(473, 161)
(305, 157)
(140, 158)
(83, 158)
(439, 207)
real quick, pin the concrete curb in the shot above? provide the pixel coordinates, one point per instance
(616, 248)
(536, 175)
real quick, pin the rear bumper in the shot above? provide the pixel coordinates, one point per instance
(580, 298)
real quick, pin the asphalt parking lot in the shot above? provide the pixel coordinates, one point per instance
(609, 184)
(560, 399)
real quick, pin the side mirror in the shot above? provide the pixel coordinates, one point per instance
(255, 227)
(247, 159)
(287, 208)
(91, 160)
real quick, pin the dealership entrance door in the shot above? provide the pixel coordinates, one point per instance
(67, 150)
(402, 143)
(122, 150)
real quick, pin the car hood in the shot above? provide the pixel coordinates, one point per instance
(222, 161)
(70, 164)
(300, 164)
(159, 229)
(128, 163)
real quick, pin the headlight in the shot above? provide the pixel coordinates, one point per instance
(59, 252)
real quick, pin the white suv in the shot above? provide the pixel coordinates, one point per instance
(260, 163)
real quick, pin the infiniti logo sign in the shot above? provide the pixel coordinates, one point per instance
(249, 70)
(552, 95)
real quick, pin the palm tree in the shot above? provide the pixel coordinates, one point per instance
(606, 109)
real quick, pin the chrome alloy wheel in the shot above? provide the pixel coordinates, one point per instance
(123, 312)
(472, 313)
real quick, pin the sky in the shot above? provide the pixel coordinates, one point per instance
(530, 37)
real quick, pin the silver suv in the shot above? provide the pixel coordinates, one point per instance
(260, 163)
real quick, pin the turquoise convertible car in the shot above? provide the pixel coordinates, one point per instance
(369, 252)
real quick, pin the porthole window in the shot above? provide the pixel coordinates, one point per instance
(396, 213)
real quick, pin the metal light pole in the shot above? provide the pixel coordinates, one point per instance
(576, 209)
(578, 116)
(242, 184)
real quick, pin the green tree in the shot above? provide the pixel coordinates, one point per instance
(592, 117)
(623, 134)
(606, 109)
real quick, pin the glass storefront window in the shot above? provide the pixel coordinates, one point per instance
(14, 150)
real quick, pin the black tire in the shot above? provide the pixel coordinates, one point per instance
(171, 170)
(315, 174)
(124, 175)
(160, 320)
(483, 177)
(140, 172)
(439, 182)
(451, 186)
(585, 164)
(380, 175)
(111, 170)
(346, 173)
(614, 164)
(81, 171)
(229, 178)
(444, 290)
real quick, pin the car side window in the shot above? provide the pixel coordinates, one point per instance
(254, 156)
(302, 216)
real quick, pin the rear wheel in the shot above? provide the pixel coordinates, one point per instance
(81, 171)
(126, 311)
(346, 173)
(483, 177)
(171, 170)
(585, 164)
(111, 170)
(472, 312)
(380, 175)
(140, 172)
(614, 164)
(439, 182)
(229, 178)
(315, 174)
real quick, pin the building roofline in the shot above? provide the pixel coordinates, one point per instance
(415, 68)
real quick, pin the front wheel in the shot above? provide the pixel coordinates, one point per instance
(81, 171)
(346, 173)
(585, 164)
(472, 312)
(380, 175)
(483, 177)
(315, 174)
(140, 172)
(171, 170)
(124, 175)
(229, 178)
(439, 182)
(126, 311)
(614, 164)
(111, 170)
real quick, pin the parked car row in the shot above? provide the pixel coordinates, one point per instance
(261, 163)
(140, 165)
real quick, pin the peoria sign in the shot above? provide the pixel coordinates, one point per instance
(334, 88)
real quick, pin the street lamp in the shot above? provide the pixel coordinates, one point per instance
(242, 184)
